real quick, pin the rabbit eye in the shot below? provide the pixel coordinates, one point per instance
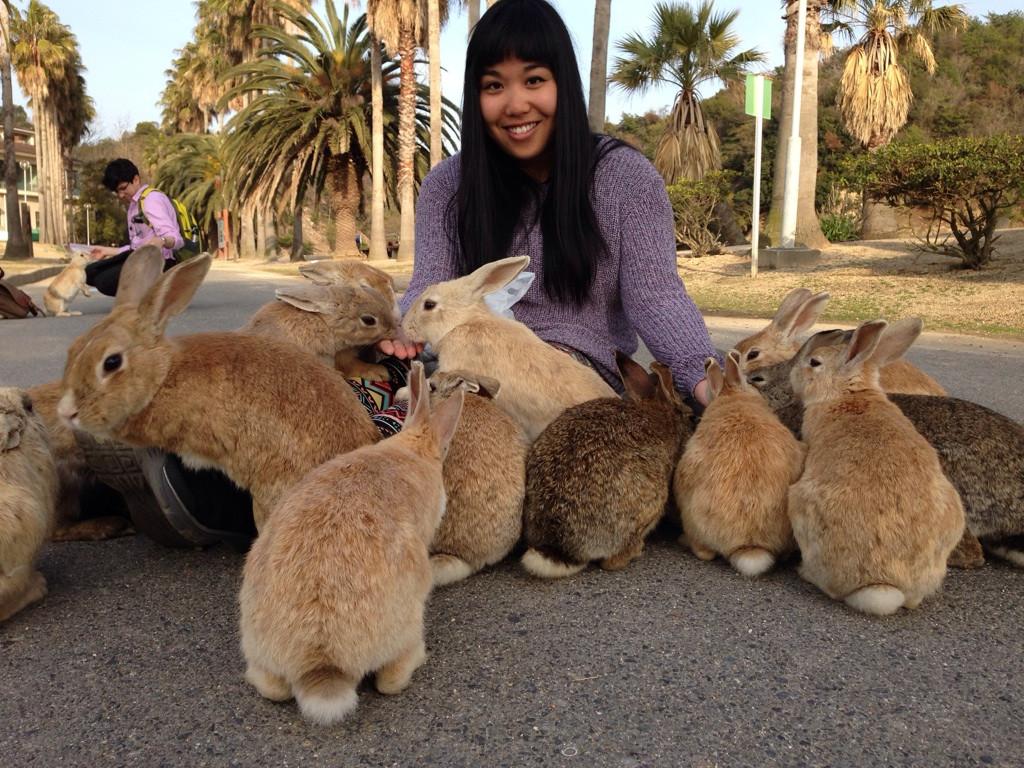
(429, 304)
(752, 354)
(756, 379)
(815, 362)
(369, 320)
(112, 362)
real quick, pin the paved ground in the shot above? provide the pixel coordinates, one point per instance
(133, 658)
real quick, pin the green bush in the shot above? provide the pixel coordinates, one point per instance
(693, 206)
(839, 228)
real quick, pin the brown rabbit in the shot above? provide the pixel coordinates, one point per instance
(63, 289)
(779, 341)
(331, 322)
(873, 514)
(74, 475)
(335, 586)
(597, 479)
(350, 272)
(981, 452)
(28, 495)
(484, 477)
(258, 409)
(732, 484)
(538, 382)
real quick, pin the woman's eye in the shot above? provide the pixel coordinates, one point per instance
(428, 304)
(112, 362)
(492, 86)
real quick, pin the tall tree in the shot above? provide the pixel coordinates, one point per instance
(599, 64)
(817, 43)
(45, 56)
(689, 47)
(472, 15)
(874, 92)
(17, 244)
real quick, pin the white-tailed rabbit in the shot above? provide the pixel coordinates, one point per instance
(873, 514)
(981, 452)
(335, 586)
(484, 477)
(256, 408)
(66, 286)
(732, 483)
(28, 495)
(780, 340)
(331, 322)
(538, 382)
(597, 479)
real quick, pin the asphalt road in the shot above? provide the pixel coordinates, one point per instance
(133, 657)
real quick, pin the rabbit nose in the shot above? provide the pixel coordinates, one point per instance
(67, 409)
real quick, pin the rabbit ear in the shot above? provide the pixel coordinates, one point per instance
(139, 272)
(445, 418)
(173, 291)
(789, 307)
(897, 339)
(313, 272)
(315, 298)
(419, 396)
(638, 382)
(804, 315)
(821, 339)
(497, 274)
(485, 386)
(732, 370)
(666, 385)
(713, 373)
(864, 342)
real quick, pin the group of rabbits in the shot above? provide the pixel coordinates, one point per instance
(511, 440)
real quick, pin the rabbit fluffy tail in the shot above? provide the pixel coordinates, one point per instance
(879, 599)
(752, 561)
(1014, 555)
(325, 695)
(549, 565)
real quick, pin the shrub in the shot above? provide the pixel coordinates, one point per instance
(693, 206)
(965, 182)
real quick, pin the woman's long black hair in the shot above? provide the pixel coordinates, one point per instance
(493, 192)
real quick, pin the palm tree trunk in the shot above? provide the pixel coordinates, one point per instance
(407, 141)
(473, 15)
(599, 65)
(378, 237)
(266, 237)
(808, 230)
(491, 2)
(297, 250)
(344, 183)
(17, 246)
(434, 55)
(47, 187)
(248, 232)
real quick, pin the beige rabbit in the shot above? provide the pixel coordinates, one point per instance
(873, 514)
(732, 483)
(66, 286)
(335, 586)
(73, 473)
(538, 382)
(28, 494)
(350, 272)
(779, 341)
(256, 408)
(331, 322)
(484, 477)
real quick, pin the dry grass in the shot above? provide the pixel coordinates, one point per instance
(886, 278)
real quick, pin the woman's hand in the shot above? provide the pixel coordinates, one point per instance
(700, 392)
(400, 346)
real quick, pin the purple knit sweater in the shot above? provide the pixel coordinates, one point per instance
(637, 291)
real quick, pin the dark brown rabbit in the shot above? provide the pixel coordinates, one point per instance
(598, 478)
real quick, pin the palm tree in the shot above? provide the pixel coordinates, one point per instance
(45, 56)
(437, 17)
(689, 47)
(192, 169)
(874, 91)
(17, 244)
(472, 14)
(817, 44)
(308, 129)
(399, 24)
(599, 64)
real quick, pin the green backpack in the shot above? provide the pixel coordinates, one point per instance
(190, 230)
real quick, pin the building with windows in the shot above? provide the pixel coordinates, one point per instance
(28, 181)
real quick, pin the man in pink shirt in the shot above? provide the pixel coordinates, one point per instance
(155, 223)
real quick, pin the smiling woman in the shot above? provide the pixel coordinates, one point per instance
(591, 212)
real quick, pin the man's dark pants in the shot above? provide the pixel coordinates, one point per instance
(103, 275)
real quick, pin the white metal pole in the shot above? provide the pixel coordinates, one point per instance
(88, 236)
(758, 121)
(792, 185)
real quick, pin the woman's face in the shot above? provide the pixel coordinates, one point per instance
(517, 101)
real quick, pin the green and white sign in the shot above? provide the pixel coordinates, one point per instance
(758, 86)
